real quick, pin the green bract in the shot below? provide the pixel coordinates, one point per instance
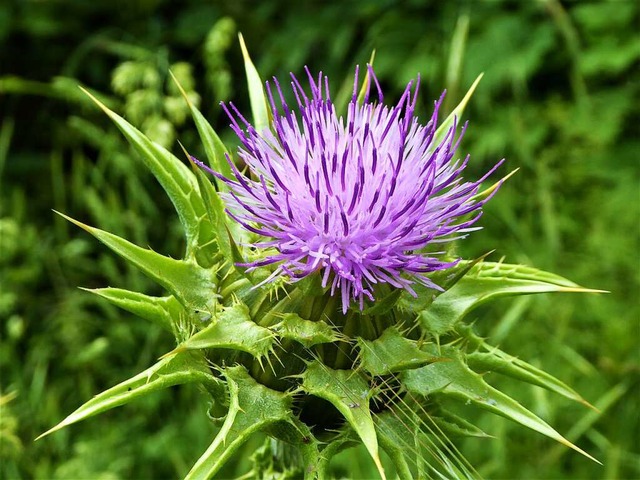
(282, 359)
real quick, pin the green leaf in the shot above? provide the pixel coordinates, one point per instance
(179, 369)
(315, 453)
(497, 361)
(484, 282)
(311, 285)
(257, 97)
(392, 352)
(346, 438)
(349, 392)
(451, 424)
(293, 431)
(384, 304)
(454, 379)
(232, 329)
(173, 175)
(367, 80)
(238, 259)
(252, 408)
(414, 444)
(193, 286)
(215, 212)
(305, 332)
(397, 438)
(163, 311)
(455, 115)
(213, 146)
(445, 279)
(489, 190)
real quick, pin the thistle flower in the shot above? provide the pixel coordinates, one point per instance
(363, 200)
(356, 203)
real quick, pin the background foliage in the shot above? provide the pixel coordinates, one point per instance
(559, 100)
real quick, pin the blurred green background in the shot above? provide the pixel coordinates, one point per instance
(559, 99)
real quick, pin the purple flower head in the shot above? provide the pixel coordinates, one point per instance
(362, 200)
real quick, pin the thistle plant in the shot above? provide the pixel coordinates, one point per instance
(319, 300)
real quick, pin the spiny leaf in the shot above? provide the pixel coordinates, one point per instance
(163, 311)
(404, 436)
(484, 282)
(233, 329)
(238, 259)
(252, 407)
(384, 304)
(454, 379)
(215, 215)
(193, 286)
(452, 424)
(179, 369)
(213, 146)
(392, 352)
(455, 115)
(488, 191)
(173, 175)
(346, 438)
(445, 279)
(295, 432)
(305, 332)
(259, 105)
(397, 439)
(350, 394)
(311, 286)
(498, 361)
(367, 80)
(268, 311)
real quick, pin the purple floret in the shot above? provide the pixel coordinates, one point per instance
(361, 200)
